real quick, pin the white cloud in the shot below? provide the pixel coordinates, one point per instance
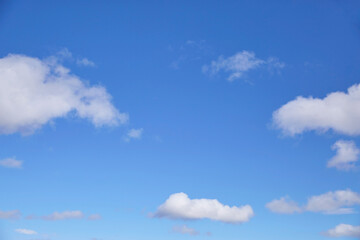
(183, 229)
(94, 217)
(34, 92)
(283, 206)
(14, 214)
(11, 163)
(338, 111)
(85, 62)
(239, 64)
(346, 155)
(134, 134)
(180, 206)
(26, 231)
(64, 215)
(337, 202)
(344, 230)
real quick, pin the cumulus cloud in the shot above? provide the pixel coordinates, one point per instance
(344, 230)
(338, 111)
(337, 202)
(183, 229)
(64, 215)
(239, 64)
(26, 231)
(85, 62)
(180, 206)
(11, 163)
(346, 155)
(33, 92)
(12, 215)
(283, 206)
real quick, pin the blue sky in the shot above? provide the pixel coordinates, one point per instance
(179, 120)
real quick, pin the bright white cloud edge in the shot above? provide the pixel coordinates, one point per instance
(33, 92)
(344, 230)
(338, 111)
(180, 206)
(347, 154)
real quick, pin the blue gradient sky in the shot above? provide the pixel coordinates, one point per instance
(202, 135)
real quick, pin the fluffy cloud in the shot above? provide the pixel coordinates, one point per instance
(283, 206)
(34, 92)
(180, 206)
(338, 111)
(346, 155)
(344, 230)
(64, 215)
(183, 229)
(26, 231)
(14, 214)
(11, 163)
(240, 63)
(338, 202)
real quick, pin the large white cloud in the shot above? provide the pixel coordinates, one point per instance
(34, 91)
(337, 202)
(344, 230)
(339, 111)
(240, 63)
(346, 155)
(180, 206)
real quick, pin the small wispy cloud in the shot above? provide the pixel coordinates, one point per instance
(183, 229)
(11, 215)
(11, 163)
(64, 215)
(26, 231)
(240, 63)
(134, 134)
(85, 62)
(94, 217)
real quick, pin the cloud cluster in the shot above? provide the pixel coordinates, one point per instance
(11, 163)
(338, 202)
(180, 206)
(346, 155)
(33, 92)
(338, 111)
(344, 230)
(239, 64)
